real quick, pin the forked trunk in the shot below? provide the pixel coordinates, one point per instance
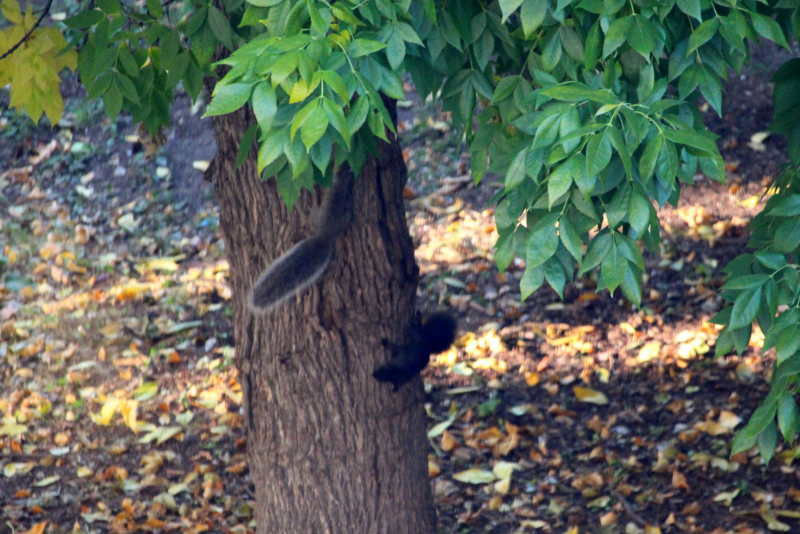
(332, 451)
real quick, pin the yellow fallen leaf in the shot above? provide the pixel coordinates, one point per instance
(729, 419)
(433, 469)
(711, 428)
(504, 469)
(649, 351)
(772, 522)
(47, 481)
(38, 528)
(532, 378)
(475, 476)
(502, 486)
(11, 428)
(749, 202)
(726, 497)
(437, 430)
(590, 395)
(84, 472)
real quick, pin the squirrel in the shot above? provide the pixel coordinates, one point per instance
(432, 335)
(304, 263)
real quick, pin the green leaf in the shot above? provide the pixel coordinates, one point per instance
(129, 65)
(363, 47)
(84, 19)
(358, 113)
(598, 153)
(594, 45)
(647, 163)
(531, 280)
(787, 236)
(572, 43)
(271, 148)
(613, 268)
(596, 251)
(246, 145)
(314, 126)
(178, 69)
(337, 84)
(516, 171)
(632, 285)
(638, 213)
(667, 164)
(228, 99)
(768, 442)
(745, 308)
(551, 52)
(264, 105)
(786, 207)
(616, 35)
(505, 88)
(788, 417)
(507, 7)
(570, 92)
(771, 260)
(559, 181)
(569, 236)
(641, 35)
(220, 27)
(711, 88)
(570, 122)
(155, 9)
(395, 50)
(546, 132)
(532, 14)
(301, 117)
(618, 207)
(337, 119)
(543, 241)
(555, 275)
(693, 139)
(747, 281)
(691, 8)
(788, 343)
(767, 27)
(126, 87)
(112, 101)
(504, 251)
(702, 34)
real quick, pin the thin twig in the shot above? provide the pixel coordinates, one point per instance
(25, 37)
(629, 508)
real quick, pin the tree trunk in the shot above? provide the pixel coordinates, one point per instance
(331, 449)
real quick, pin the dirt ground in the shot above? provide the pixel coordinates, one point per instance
(647, 445)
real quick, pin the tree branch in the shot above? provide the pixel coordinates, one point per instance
(25, 37)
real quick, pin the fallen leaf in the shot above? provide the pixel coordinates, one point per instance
(589, 395)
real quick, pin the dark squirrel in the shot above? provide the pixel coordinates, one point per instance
(306, 262)
(433, 335)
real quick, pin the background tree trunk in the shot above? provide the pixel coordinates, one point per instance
(331, 449)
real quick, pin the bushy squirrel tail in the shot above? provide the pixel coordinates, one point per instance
(306, 262)
(298, 267)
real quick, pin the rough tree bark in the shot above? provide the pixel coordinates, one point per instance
(331, 449)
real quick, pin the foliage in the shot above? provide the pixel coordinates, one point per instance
(32, 70)
(586, 107)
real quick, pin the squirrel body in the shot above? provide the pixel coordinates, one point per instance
(306, 262)
(433, 335)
